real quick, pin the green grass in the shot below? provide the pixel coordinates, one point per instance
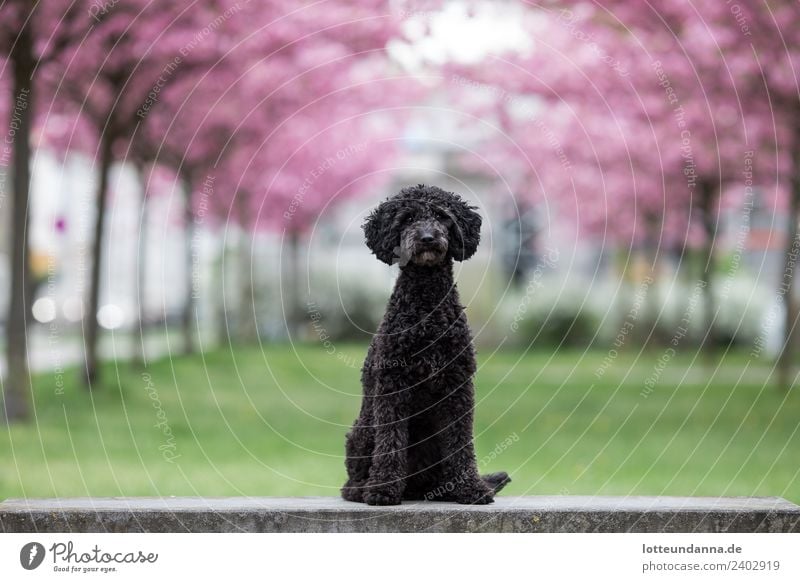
(273, 423)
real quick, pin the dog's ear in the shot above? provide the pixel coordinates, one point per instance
(381, 234)
(465, 230)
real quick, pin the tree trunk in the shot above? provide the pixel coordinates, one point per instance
(140, 351)
(91, 371)
(706, 204)
(247, 324)
(192, 286)
(649, 310)
(220, 305)
(17, 385)
(792, 310)
(293, 290)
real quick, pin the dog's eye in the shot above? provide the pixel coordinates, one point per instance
(445, 219)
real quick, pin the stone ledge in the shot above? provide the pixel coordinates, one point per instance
(330, 514)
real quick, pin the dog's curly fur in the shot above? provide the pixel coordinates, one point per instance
(413, 436)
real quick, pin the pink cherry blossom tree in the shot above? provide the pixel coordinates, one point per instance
(30, 40)
(113, 78)
(740, 62)
(190, 133)
(659, 132)
(325, 103)
(293, 89)
(22, 59)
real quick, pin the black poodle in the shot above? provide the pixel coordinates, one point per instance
(413, 436)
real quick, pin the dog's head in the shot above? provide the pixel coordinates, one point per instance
(423, 225)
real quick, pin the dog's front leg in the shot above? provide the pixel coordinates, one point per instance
(460, 466)
(389, 461)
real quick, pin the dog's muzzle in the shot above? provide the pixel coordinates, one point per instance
(429, 252)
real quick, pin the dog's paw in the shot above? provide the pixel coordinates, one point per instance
(477, 499)
(353, 492)
(496, 480)
(480, 494)
(381, 497)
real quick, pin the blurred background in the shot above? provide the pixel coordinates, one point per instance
(185, 294)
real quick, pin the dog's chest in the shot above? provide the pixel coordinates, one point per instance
(439, 375)
(424, 321)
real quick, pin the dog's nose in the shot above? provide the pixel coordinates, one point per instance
(427, 238)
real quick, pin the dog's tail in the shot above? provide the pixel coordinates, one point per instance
(496, 480)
